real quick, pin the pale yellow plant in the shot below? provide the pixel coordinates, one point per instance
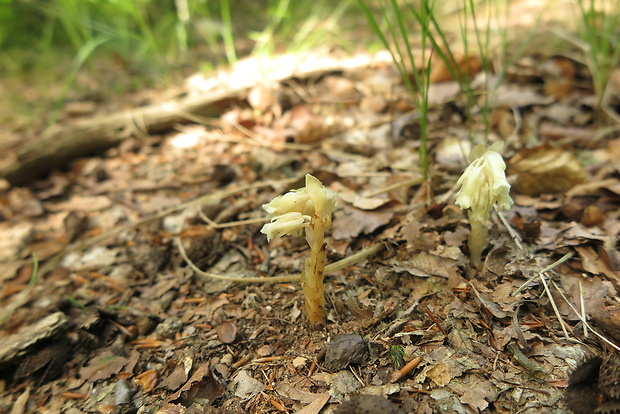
(483, 185)
(308, 210)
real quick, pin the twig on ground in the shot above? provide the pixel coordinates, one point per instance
(582, 306)
(266, 359)
(434, 319)
(531, 366)
(404, 371)
(515, 237)
(584, 321)
(330, 268)
(404, 318)
(241, 362)
(357, 376)
(230, 223)
(407, 183)
(553, 305)
(546, 269)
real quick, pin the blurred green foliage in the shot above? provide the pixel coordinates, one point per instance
(599, 34)
(159, 34)
(123, 45)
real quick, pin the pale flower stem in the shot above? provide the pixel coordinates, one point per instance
(312, 275)
(307, 209)
(477, 240)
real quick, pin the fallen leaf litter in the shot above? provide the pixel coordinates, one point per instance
(141, 326)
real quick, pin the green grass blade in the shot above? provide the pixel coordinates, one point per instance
(228, 32)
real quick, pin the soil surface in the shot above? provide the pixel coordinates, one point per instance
(117, 322)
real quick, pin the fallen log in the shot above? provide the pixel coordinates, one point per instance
(36, 157)
(31, 159)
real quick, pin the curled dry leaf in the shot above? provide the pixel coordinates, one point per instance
(468, 65)
(148, 380)
(546, 169)
(227, 332)
(593, 216)
(608, 319)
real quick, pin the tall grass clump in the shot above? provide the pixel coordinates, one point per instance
(483, 35)
(600, 41)
(398, 21)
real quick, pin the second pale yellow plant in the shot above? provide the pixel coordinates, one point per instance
(483, 184)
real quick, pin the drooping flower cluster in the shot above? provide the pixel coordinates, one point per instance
(483, 184)
(307, 209)
(292, 212)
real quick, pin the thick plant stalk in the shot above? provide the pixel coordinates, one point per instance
(312, 275)
(477, 239)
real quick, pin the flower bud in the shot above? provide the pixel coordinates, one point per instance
(484, 183)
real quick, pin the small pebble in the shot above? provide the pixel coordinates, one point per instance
(368, 404)
(123, 394)
(170, 327)
(343, 351)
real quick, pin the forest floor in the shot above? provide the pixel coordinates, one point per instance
(121, 323)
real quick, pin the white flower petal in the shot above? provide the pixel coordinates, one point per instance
(296, 200)
(290, 224)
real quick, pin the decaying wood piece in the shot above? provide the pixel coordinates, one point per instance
(18, 344)
(36, 157)
(32, 159)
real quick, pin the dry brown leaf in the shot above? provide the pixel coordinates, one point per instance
(467, 65)
(487, 303)
(373, 104)
(170, 408)
(202, 384)
(515, 96)
(339, 86)
(423, 264)
(573, 234)
(315, 406)
(477, 392)
(546, 169)
(264, 96)
(442, 373)
(561, 78)
(350, 222)
(176, 378)
(504, 122)
(452, 152)
(148, 380)
(246, 386)
(592, 216)
(608, 319)
(103, 366)
(596, 261)
(207, 309)
(559, 88)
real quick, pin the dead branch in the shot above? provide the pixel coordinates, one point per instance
(33, 158)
